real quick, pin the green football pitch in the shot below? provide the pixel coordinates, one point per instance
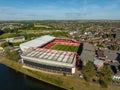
(65, 48)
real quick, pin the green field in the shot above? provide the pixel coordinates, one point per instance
(65, 48)
(7, 35)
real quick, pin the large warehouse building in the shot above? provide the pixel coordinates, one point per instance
(40, 53)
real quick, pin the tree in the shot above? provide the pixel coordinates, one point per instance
(11, 54)
(1, 32)
(89, 71)
(113, 47)
(105, 75)
(5, 44)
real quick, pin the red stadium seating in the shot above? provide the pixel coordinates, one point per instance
(60, 41)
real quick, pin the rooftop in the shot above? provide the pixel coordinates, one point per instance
(112, 55)
(38, 42)
(98, 61)
(100, 53)
(88, 53)
(48, 56)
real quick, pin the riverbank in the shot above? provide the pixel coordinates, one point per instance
(67, 82)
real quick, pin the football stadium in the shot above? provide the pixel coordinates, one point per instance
(51, 54)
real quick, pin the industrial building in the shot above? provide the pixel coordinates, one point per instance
(88, 53)
(37, 53)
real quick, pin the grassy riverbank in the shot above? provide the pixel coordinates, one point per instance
(68, 82)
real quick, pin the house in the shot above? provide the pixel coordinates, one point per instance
(72, 32)
(16, 39)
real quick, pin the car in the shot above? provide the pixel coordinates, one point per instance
(81, 76)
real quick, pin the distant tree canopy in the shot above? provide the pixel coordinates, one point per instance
(105, 75)
(11, 54)
(89, 71)
(5, 44)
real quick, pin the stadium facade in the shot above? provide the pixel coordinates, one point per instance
(38, 53)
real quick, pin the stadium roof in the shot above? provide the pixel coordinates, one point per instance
(50, 57)
(37, 42)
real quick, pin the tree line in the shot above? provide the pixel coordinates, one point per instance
(104, 75)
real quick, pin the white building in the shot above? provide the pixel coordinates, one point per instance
(52, 60)
(116, 77)
(36, 42)
(16, 39)
(98, 63)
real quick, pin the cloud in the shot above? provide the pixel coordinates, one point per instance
(4, 9)
(75, 15)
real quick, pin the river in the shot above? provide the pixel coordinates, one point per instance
(13, 80)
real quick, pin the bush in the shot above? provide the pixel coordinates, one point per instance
(11, 54)
(88, 71)
(103, 84)
(64, 74)
(105, 75)
(5, 44)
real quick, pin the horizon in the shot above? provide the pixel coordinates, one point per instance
(61, 20)
(59, 10)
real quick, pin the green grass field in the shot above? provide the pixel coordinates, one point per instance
(7, 35)
(65, 48)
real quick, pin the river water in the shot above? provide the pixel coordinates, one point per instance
(12, 80)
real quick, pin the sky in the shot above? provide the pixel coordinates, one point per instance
(59, 9)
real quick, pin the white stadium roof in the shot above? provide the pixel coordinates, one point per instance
(50, 57)
(37, 42)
